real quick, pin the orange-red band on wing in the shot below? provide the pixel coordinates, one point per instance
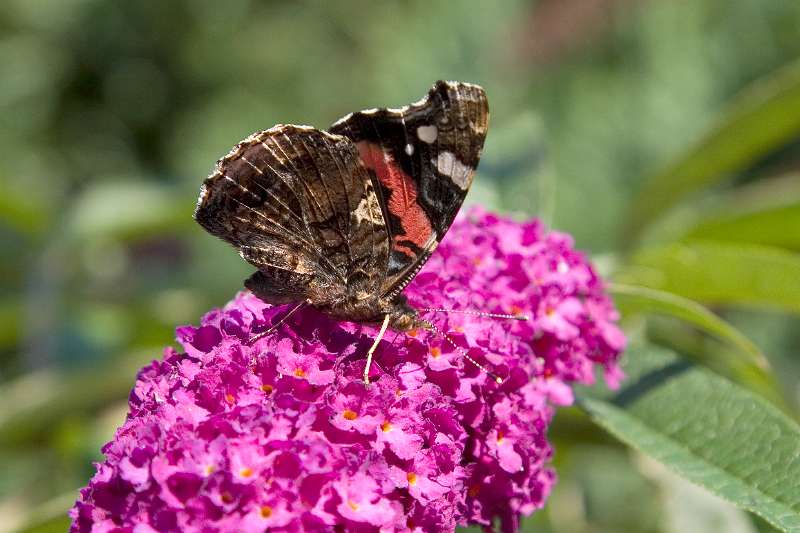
(402, 200)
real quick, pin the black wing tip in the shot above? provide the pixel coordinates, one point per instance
(441, 88)
(451, 84)
(449, 89)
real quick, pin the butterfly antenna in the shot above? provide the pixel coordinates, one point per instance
(475, 313)
(432, 327)
(280, 322)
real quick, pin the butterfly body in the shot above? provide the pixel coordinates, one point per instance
(344, 219)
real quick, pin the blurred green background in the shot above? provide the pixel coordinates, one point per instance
(628, 124)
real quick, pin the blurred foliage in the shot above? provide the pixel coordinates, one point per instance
(745, 430)
(665, 136)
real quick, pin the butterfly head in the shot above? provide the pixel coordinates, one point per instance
(402, 317)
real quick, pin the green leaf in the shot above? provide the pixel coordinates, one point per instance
(745, 364)
(630, 299)
(720, 273)
(763, 118)
(707, 429)
(775, 227)
(767, 212)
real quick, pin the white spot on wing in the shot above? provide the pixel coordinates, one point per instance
(409, 149)
(427, 134)
(369, 210)
(449, 165)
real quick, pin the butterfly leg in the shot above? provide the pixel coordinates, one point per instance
(280, 322)
(381, 333)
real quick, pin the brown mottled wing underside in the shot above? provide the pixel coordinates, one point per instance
(422, 158)
(300, 206)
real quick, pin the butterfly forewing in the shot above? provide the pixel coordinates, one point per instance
(422, 158)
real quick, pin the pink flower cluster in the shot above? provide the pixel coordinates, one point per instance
(283, 435)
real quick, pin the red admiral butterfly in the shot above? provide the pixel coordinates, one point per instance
(344, 219)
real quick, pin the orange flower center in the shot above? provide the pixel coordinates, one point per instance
(412, 478)
(266, 511)
(436, 352)
(300, 373)
(386, 427)
(349, 415)
(246, 472)
(266, 388)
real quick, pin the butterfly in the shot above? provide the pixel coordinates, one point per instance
(343, 219)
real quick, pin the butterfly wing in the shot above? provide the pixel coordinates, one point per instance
(421, 158)
(300, 206)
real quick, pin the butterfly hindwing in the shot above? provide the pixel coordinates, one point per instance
(422, 159)
(300, 206)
